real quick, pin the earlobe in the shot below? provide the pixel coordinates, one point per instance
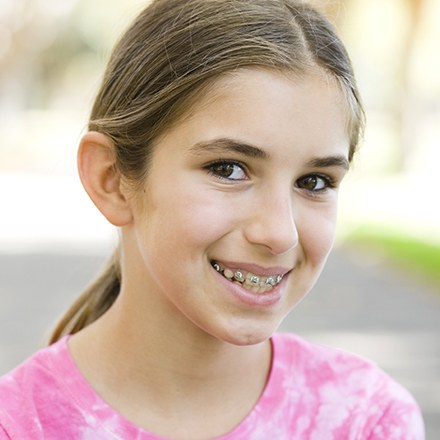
(101, 179)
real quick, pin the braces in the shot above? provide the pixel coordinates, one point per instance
(252, 279)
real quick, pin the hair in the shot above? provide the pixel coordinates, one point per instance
(173, 51)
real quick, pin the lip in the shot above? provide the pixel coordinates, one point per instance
(249, 298)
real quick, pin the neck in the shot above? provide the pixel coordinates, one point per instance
(134, 361)
(179, 350)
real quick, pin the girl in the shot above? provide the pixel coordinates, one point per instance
(217, 143)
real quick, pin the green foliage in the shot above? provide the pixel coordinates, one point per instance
(409, 253)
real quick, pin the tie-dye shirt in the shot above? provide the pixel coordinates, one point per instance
(313, 393)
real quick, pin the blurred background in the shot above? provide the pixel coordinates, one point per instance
(380, 295)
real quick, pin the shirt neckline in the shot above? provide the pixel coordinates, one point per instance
(89, 400)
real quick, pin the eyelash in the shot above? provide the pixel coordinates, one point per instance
(327, 180)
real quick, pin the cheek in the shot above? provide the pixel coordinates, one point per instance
(317, 233)
(193, 219)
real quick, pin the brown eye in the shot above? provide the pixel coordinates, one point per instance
(309, 183)
(227, 170)
(313, 183)
(223, 169)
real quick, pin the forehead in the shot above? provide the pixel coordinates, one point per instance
(249, 84)
(294, 119)
(274, 106)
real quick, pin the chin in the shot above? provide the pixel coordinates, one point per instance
(249, 335)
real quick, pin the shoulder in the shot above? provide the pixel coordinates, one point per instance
(322, 364)
(346, 390)
(47, 397)
(35, 371)
(29, 387)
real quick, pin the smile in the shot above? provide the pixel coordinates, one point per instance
(256, 283)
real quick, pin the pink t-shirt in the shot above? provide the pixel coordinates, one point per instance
(313, 393)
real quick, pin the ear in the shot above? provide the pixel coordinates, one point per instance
(100, 178)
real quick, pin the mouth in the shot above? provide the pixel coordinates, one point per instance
(258, 284)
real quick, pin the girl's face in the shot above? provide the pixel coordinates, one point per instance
(245, 187)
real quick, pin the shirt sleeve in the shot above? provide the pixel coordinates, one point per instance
(399, 422)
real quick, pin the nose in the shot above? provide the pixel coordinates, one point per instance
(272, 224)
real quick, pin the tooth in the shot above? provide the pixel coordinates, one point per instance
(228, 274)
(252, 279)
(255, 283)
(260, 290)
(239, 276)
(270, 281)
(249, 287)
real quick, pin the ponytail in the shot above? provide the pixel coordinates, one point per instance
(93, 302)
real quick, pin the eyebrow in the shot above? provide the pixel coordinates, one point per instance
(222, 145)
(329, 161)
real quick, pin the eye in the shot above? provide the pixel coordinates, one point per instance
(228, 170)
(314, 183)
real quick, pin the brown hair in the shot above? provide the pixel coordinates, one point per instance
(171, 53)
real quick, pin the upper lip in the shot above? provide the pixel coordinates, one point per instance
(256, 269)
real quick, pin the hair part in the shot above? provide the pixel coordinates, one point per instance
(171, 54)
